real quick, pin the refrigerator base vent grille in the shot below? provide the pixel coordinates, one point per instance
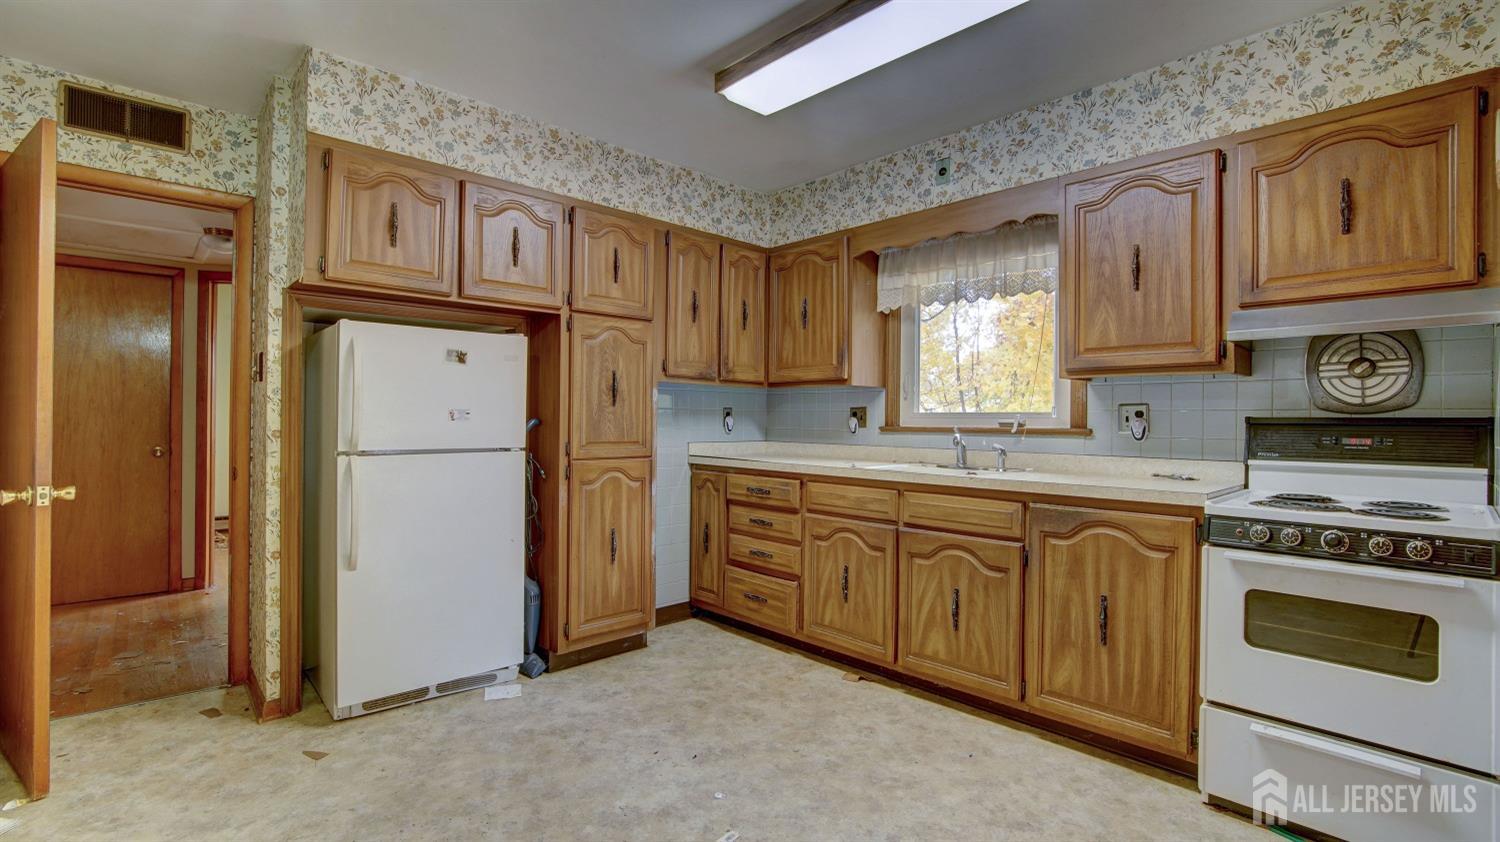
(472, 681)
(394, 699)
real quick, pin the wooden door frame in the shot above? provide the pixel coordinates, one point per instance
(207, 396)
(176, 277)
(243, 208)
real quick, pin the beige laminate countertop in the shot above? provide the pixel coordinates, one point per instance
(1132, 479)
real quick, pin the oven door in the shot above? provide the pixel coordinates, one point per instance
(1398, 658)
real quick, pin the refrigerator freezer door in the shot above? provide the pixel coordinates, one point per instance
(430, 570)
(418, 388)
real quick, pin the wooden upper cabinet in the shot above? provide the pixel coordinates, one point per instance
(513, 247)
(1384, 201)
(612, 258)
(706, 538)
(810, 313)
(1110, 614)
(961, 612)
(742, 322)
(692, 323)
(611, 388)
(390, 225)
(849, 586)
(1140, 268)
(610, 569)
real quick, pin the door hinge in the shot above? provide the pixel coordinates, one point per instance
(1484, 102)
(1202, 532)
(570, 216)
(664, 365)
(1223, 349)
(568, 471)
(568, 448)
(1025, 557)
(570, 298)
(327, 155)
(1223, 161)
(322, 265)
(669, 238)
(570, 324)
(1484, 265)
(565, 632)
(1193, 739)
(258, 367)
(1023, 688)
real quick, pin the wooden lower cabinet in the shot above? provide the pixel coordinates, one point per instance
(849, 586)
(961, 612)
(1109, 623)
(610, 569)
(706, 540)
(766, 601)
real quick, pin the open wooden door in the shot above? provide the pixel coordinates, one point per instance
(28, 204)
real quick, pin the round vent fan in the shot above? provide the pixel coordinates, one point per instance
(1365, 372)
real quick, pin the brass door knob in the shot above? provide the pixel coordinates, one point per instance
(65, 492)
(22, 496)
(158, 451)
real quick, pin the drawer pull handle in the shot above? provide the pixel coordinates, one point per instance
(953, 609)
(755, 597)
(395, 225)
(614, 388)
(758, 491)
(614, 545)
(761, 554)
(761, 522)
(705, 539)
(1346, 206)
(617, 264)
(1135, 268)
(515, 246)
(1329, 747)
(744, 314)
(804, 314)
(844, 583)
(695, 306)
(1103, 620)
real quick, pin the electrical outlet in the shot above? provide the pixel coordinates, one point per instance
(1128, 411)
(942, 170)
(858, 413)
(728, 420)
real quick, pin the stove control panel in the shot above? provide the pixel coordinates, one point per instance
(1395, 549)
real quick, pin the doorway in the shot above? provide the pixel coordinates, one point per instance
(137, 610)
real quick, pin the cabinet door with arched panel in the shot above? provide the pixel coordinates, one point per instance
(611, 388)
(612, 264)
(390, 225)
(849, 586)
(513, 247)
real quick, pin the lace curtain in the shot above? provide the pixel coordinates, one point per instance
(1014, 259)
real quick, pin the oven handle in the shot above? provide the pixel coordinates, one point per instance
(1329, 747)
(1454, 582)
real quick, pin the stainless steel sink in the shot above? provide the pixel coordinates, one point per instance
(945, 466)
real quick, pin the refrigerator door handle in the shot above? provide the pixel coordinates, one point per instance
(353, 514)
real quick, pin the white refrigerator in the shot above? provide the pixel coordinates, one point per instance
(414, 555)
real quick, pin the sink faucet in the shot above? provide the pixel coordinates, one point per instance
(1000, 454)
(961, 450)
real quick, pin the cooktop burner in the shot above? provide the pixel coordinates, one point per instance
(1303, 498)
(1283, 501)
(1406, 505)
(1380, 510)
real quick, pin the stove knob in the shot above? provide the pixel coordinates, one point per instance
(1259, 533)
(1380, 546)
(1334, 541)
(1291, 537)
(1418, 550)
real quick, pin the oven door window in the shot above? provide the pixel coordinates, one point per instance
(1360, 636)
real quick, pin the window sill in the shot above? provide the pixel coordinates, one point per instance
(1078, 432)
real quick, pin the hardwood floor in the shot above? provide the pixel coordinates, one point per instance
(121, 651)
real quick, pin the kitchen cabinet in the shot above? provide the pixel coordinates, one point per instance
(389, 225)
(612, 264)
(775, 492)
(692, 317)
(514, 247)
(849, 586)
(706, 537)
(765, 601)
(1140, 269)
(1383, 200)
(1110, 607)
(610, 568)
(611, 387)
(809, 301)
(742, 318)
(960, 612)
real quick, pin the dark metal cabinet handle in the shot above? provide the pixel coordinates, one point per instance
(395, 224)
(761, 554)
(953, 609)
(1103, 620)
(744, 315)
(804, 314)
(1346, 206)
(614, 388)
(695, 305)
(755, 597)
(844, 583)
(515, 247)
(1135, 267)
(705, 539)
(761, 522)
(617, 264)
(614, 545)
(758, 491)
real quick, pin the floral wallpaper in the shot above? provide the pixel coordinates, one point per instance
(1345, 55)
(376, 108)
(221, 154)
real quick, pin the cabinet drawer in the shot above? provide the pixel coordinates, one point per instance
(766, 491)
(768, 555)
(762, 600)
(763, 523)
(977, 515)
(855, 500)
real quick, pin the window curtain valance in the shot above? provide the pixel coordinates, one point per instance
(1014, 259)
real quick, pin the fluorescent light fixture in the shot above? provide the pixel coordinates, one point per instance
(857, 37)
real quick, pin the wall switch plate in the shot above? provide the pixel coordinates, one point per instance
(942, 170)
(859, 414)
(1127, 411)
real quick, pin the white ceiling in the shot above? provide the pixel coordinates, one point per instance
(638, 73)
(129, 227)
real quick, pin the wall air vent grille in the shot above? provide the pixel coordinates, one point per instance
(127, 118)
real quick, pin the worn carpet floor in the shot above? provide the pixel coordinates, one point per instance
(705, 732)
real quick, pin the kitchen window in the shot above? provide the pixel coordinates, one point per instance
(978, 315)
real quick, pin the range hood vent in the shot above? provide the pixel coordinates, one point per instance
(1367, 315)
(127, 118)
